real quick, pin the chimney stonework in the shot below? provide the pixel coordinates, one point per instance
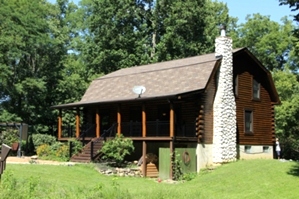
(224, 138)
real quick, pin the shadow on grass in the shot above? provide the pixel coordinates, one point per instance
(294, 170)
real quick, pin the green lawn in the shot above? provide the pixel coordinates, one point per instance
(242, 179)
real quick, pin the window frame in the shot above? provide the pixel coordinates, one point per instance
(256, 89)
(250, 130)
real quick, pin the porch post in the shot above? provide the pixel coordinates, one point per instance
(59, 124)
(144, 159)
(172, 158)
(171, 134)
(98, 126)
(171, 121)
(143, 121)
(118, 120)
(77, 123)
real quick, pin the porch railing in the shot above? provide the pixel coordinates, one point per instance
(134, 129)
(68, 131)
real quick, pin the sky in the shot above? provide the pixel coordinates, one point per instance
(241, 8)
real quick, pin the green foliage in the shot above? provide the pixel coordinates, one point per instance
(77, 145)
(124, 34)
(48, 148)
(176, 166)
(62, 153)
(57, 151)
(43, 150)
(287, 113)
(37, 67)
(6, 116)
(294, 6)
(189, 176)
(117, 148)
(178, 173)
(9, 136)
(269, 41)
(40, 139)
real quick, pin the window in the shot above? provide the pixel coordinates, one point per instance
(265, 149)
(248, 121)
(247, 149)
(256, 89)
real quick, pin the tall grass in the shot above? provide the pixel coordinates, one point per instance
(242, 179)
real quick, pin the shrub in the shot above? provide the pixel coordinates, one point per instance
(43, 150)
(9, 136)
(40, 139)
(189, 176)
(77, 145)
(117, 148)
(63, 153)
(57, 151)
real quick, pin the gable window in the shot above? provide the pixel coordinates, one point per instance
(248, 121)
(256, 89)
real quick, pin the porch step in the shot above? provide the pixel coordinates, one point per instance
(151, 170)
(85, 155)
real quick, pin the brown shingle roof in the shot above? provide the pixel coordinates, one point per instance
(160, 79)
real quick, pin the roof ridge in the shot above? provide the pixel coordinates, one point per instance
(155, 70)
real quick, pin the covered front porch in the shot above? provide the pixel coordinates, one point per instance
(139, 121)
(154, 123)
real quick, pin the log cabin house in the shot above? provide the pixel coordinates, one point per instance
(219, 105)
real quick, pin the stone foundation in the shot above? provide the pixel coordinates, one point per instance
(255, 152)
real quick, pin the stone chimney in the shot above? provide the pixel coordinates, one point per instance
(224, 129)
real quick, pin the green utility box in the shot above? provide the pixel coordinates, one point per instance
(186, 157)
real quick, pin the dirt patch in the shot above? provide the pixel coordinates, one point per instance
(30, 160)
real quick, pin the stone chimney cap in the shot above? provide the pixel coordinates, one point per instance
(222, 30)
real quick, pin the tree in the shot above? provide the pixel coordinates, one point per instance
(116, 34)
(294, 4)
(128, 33)
(287, 114)
(36, 41)
(25, 59)
(270, 41)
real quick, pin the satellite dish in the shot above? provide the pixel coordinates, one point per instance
(139, 90)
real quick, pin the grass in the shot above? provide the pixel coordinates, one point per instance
(242, 179)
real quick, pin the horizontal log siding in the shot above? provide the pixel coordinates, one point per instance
(208, 101)
(189, 111)
(262, 109)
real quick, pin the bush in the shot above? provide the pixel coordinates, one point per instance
(40, 139)
(43, 150)
(57, 151)
(77, 145)
(117, 148)
(9, 136)
(62, 153)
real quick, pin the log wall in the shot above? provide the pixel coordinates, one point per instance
(263, 109)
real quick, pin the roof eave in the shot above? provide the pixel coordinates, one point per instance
(139, 99)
